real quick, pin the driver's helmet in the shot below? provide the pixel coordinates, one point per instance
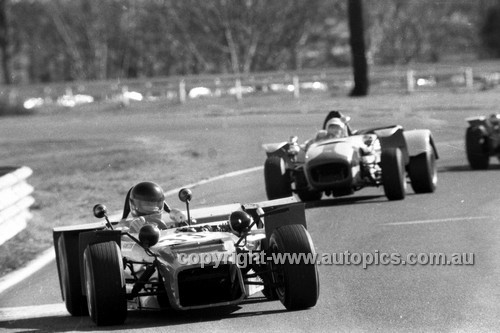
(336, 128)
(146, 198)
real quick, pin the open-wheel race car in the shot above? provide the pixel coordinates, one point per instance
(482, 140)
(340, 165)
(213, 260)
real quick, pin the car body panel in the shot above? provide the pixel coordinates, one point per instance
(218, 280)
(340, 166)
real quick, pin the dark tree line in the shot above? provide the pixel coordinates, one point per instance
(490, 31)
(357, 41)
(4, 42)
(64, 40)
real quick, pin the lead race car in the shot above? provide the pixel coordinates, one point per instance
(104, 270)
(381, 156)
(482, 140)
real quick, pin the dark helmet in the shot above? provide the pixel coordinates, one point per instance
(146, 198)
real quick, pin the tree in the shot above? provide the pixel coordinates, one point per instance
(61, 40)
(404, 31)
(490, 31)
(357, 41)
(4, 42)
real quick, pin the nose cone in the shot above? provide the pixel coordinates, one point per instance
(329, 166)
(332, 150)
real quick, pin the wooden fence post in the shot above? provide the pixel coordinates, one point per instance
(182, 91)
(265, 86)
(469, 78)
(410, 81)
(296, 86)
(218, 91)
(125, 100)
(149, 90)
(13, 96)
(237, 86)
(46, 94)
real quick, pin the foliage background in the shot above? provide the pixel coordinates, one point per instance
(63, 40)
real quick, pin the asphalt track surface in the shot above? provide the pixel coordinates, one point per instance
(460, 217)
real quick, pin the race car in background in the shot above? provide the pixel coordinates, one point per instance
(381, 156)
(482, 140)
(104, 270)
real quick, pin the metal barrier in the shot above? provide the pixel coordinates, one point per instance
(15, 201)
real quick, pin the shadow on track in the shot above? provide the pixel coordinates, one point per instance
(348, 200)
(466, 168)
(138, 319)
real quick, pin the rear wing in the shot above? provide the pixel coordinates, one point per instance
(221, 213)
(277, 213)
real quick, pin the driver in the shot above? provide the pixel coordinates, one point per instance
(336, 128)
(145, 202)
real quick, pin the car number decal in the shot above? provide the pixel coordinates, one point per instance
(184, 237)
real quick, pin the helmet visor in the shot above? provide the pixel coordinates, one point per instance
(142, 207)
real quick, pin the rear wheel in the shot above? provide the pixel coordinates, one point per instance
(277, 179)
(476, 147)
(393, 174)
(69, 273)
(297, 283)
(105, 284)
(423, 172)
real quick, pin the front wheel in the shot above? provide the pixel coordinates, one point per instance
(393, 174)
(296, 283)
(105, 283)
(69, 272)
(423, 172)
(476, 147)
(277, 179)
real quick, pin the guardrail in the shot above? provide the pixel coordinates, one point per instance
(15, 201)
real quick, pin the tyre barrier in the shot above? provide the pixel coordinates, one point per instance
(15, 200)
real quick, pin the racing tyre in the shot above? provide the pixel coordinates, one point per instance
(476, 147)
(69, 275)
(393, 174)
(423, 172)
(297, 283)
(105, 283)
(277, 180)
(269, 291)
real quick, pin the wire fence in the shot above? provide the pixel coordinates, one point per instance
(182, 88)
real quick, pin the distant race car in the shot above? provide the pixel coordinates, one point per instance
(105, 271)
(382, 156)
(482, 140)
